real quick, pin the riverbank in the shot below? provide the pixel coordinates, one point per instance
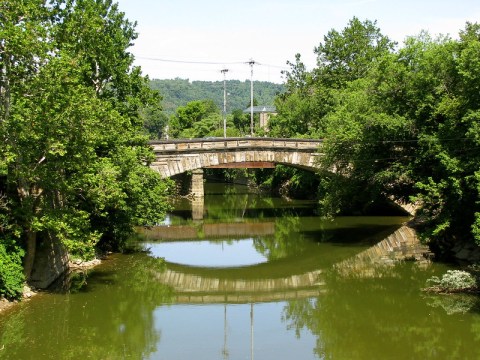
(29, 292)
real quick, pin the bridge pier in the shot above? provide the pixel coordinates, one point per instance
(198, 208)
(197, 184)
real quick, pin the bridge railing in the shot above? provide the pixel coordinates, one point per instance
(209, 144)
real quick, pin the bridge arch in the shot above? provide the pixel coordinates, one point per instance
(177, 156)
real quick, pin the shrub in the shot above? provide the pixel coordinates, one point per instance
(11, 271)
(453, 281)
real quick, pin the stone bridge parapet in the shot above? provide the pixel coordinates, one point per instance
(180, 155)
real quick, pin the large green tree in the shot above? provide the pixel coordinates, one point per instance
(74, 163)
(199, 118)
(22, 24)
(342, 57)
(408, 130)
(399, 124)
(349, 55)
(295, 106)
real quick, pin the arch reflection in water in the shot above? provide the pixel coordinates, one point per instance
(198, 276)
(291, 282)
(285, 254)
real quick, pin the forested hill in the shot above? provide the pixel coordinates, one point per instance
(178, 92)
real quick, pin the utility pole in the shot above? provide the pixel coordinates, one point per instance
(251, 331)
(251, 63)
(224, 72)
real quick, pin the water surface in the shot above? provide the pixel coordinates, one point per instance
(256, 278)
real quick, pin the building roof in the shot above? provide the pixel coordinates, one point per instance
(261, 109)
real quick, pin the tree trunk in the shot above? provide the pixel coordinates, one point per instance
(31, 247)
(29, 198)
(4, 87)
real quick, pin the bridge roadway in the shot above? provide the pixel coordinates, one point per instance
(177, 156)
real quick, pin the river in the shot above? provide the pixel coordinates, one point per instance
(251, 277)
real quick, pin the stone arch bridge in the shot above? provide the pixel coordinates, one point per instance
(180, 155)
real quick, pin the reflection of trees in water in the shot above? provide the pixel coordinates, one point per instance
(454, 303)
(296, 234)
(110, 318)
(281, 244)
(238, 202)
(230, 203)
(382, 318)
(228, 208)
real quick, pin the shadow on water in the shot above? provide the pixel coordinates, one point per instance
(108, 314)
(76, 281)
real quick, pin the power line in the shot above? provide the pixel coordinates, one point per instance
(406, 141)
(251, 63)
(179, 61)
(458, 153)
(190, 61)
(224, 72)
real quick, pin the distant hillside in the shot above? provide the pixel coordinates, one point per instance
(179, 92)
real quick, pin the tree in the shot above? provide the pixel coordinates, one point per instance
(364, 155)
(196, 119)
(74, 157)
(342, 58)
(348, 55)
(409, 130)
(155, 122)
(22, 54)
(469, 68)
(295, 103)
(241, 121)
(449, 139)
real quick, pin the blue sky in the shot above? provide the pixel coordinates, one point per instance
(227, 34)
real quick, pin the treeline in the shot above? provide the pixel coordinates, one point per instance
(72, 159)
(179, 92)
(399, 122)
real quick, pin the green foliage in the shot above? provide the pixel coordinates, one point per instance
(241, 121)
(155, 122)
(195, 119)
(343, 57)
(296, 106)
(397, 124)
(348, 55)
(11, 270)
(179, 92)
(11, 254)
(73, 110)
(363, 150)
(198, 119)
(73, 229)
(453, 280)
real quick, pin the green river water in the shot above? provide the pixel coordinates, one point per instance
(255, 278)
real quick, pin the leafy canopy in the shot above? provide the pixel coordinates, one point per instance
(398, 124)
(74, 165)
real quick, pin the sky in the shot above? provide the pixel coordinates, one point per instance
(197, 39)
